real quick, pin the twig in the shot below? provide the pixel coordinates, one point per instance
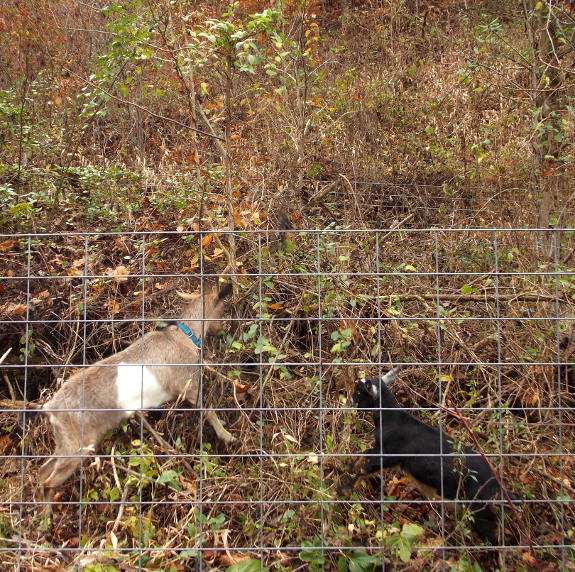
(5, 355)
(147, 297)
(157, 116)
(397, 225)
(10, 388)
(165, 445)
(124, 490)
(455, 412)
(546, 475)
(525, 297)
(352, 193)
(129, 471)
(568, 257)
(320, 194)
(229, 268)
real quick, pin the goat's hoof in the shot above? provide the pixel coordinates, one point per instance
(229, 439)
(354, 465)
(344, 490)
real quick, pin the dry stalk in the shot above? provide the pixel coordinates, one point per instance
(165, 446)
(526, 297)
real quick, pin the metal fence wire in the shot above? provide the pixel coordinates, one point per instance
(481, 319)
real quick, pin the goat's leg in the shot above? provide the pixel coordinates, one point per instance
(355, 464)
(192, 396)
(365, 471)
(53, 473)
(485, 522)
(220, 430)
(352, 485)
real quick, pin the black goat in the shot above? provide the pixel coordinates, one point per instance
(437, 465)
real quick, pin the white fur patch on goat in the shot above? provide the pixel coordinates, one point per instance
(372, 389)
(138, 388)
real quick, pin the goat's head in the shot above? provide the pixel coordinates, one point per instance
(372, 392)
(365, 395)
(208, 309)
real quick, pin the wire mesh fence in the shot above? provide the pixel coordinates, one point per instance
(373, 204)
(481, 320)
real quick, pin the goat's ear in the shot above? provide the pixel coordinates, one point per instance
(372, 388)
(225, 290)
(187, 296)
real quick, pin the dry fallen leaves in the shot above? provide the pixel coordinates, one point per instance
(120, 274)
(39, 298)
(207, 240)
(216, 254)
(528, 558)
(241, 388)
(7, 244)
(5, 444)
(530, 397)
(11, 309)
(187, 485)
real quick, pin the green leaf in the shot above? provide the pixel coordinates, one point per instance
(188, 554)
(260, 345)
(217, 521)
(169, 477)
(412, 530)
(247, 566)
(342, 564)
(360, 561)
(467, 289)
(404, 549)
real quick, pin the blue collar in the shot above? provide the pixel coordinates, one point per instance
(190, 334)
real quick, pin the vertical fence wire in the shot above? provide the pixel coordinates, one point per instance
(559, 400)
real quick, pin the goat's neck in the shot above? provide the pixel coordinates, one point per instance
(190, 334)
(189, 319)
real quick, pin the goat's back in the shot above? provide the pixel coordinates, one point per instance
(433, 458)
(146, 374)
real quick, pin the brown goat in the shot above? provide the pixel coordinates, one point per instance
(98, 398)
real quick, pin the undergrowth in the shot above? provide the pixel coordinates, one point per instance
(352, 167)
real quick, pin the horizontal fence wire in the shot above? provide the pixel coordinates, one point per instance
(482, 321)
(374, 204)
